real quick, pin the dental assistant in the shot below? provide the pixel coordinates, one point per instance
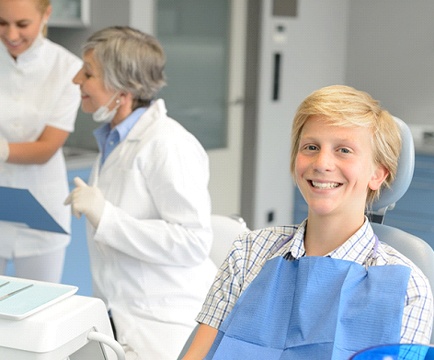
(38, 110)
(147, 204)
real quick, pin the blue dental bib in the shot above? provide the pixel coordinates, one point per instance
(314, 308)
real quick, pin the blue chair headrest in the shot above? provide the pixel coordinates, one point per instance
(404, 175)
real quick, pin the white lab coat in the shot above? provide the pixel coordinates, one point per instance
(36, 91)
(149, 254)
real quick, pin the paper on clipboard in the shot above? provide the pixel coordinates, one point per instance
(19, 205)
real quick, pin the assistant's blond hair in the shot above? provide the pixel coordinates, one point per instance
(42, 6)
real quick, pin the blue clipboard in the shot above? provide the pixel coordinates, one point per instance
(19, 205)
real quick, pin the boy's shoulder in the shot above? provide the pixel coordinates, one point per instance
(388, 255)
(272, 233)
(267, 240)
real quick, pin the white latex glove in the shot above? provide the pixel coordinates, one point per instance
(87, 200)
(4, 150)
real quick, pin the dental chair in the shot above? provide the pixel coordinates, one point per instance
(225, 230)
(414, 248)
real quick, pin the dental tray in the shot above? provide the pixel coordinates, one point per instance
(20, 298)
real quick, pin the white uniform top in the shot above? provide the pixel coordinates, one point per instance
(149, 254)
(36, 91)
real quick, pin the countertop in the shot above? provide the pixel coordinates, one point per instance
(424, 147)
(423, 136)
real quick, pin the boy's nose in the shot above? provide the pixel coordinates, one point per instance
(323, 161)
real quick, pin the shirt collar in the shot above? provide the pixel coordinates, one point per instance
(125, 126)
(32, 52)
(296, 246)
(357, 248)
(101, 133)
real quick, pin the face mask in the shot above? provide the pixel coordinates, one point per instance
(103, 114)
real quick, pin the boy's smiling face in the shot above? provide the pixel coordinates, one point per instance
(335, 167)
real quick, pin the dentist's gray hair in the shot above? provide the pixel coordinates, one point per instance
(130, 61)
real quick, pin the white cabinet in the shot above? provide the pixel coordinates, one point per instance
(70, 13)
(414, 212)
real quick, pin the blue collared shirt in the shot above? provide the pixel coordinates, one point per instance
(108, 138)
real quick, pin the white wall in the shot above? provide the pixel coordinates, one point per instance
(391, 55)
(315, 56)
(318, 44)
(142, 15)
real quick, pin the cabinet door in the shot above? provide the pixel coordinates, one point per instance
(70, 13)
(204, 41)
(414, 212)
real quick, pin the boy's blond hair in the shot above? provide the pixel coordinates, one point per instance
(345, 106)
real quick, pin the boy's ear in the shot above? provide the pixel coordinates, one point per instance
(380, 174)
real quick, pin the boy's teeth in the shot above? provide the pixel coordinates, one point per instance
(324, 185)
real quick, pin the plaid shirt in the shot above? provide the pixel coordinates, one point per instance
(251, 250)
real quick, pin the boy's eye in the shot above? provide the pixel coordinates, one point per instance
(344, 150)
(308, 148)
(311, 147)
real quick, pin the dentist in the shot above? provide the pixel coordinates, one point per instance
(147, 204)
(38, 109)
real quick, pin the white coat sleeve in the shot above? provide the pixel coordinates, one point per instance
(177, 179)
